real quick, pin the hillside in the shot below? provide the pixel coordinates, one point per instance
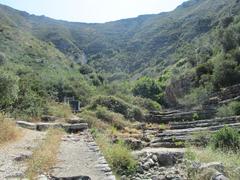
(129, 45)
(167, 45)
(164, 87)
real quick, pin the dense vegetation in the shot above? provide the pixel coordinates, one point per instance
(44, 60)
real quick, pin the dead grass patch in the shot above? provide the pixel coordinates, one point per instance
(8, 131)
(45, 155)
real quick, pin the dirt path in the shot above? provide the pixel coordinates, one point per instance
(80, 157)
(12, 155)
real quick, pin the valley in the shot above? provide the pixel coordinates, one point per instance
(158, 95)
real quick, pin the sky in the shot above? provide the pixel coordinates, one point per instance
(93, 11)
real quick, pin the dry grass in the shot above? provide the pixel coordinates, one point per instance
(8, 131)
(59, 110)
(45, 156)
(230, 160)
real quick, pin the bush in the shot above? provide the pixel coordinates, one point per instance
(121, 159)
(202, 69)
(114, 119)
(8, 89)
(226, 138)
(232, 109)
(118, 106)
(29, 104)
(86, 69)
(196, 97)
(117, 155)
(225, 74)
(148, 88)
(147, 104)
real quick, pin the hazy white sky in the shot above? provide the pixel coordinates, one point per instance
(92, 10)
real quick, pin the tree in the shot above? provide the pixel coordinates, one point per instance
(8, 88)
(148, 88)
(225, 74)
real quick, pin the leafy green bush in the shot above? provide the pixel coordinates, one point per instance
(86, 69)
(8, 89)
(148, 88)
(196, 97)
(230, 109)
(117, 155)
(225, 73)
(112, 118)
(226, 138)
(147, 104)
(121, 159)
(203, 69)
(118, 106)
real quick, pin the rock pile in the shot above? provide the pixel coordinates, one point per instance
(158, 165)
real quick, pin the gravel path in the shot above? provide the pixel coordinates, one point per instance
(79, 156)
(12, 155)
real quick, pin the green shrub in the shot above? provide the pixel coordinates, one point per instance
(8, 89)
(225, 74)
(203, 69)
(117, 155)
(121, 159)
(231, 109)
(118, 106)
(196, 97)
(29, 105)
(147, 104)
(112, 118)
(86, 69)
(226, 138)
(148, 88)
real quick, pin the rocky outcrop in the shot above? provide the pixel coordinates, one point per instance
(178, 88)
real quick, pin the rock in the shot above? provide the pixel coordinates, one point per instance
(75, 120)
(45, 126)
(75, 127)
(213, 165)
(27, 125)
(23, 156)
(155, 158)
(42, 177)
(169, 158)
(72, 178)
(219, 176)
(47, 118)
(134, 144)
